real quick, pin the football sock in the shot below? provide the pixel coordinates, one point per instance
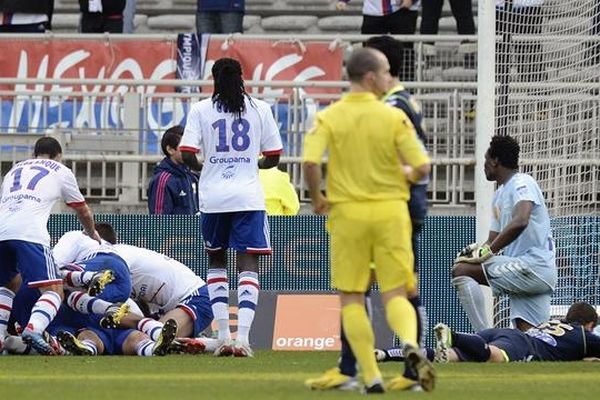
(150, 327)
(218, 291)
(402, 318)
(473, 347)
(145, 348)
(362, 340)
(397, 353)
(471, 297)
(89, 344)
(347, 363)
(6, 301)
(86, 304)
(248, 289)
(79, 278)
(44, 311)
(421, 318)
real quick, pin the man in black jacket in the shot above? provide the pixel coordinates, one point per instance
(99, 16)
(28, 16)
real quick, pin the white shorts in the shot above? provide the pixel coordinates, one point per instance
(528, 292)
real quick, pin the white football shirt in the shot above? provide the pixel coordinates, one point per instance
(156, 278)
(76, 246)
(29, 191)
(230, 148)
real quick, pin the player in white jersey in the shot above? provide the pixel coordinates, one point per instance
(520, 228)
(164, 286)
(29, 191)
(231, 129)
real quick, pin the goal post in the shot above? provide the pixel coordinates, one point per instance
(545, 76)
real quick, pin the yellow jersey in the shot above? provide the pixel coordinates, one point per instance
(366, 140)
(280, 196)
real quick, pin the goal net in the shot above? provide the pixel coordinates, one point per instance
(547, 68)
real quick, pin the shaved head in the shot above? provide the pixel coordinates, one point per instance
(362, 61)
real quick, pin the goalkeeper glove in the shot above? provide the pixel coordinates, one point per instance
(465, 252)
(478, 256)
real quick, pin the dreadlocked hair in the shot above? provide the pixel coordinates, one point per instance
(229, 90)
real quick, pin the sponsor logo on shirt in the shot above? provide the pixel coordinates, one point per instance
(229, 160)
(229, 172)
(182, 193)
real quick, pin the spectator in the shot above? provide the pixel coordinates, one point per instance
(173, 187)
(218, 16)
(99, 16)
(25, 16)
(397, 17)
(280, 195)
(461, 9)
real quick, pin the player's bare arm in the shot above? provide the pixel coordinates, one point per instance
(191, 160)
(85, 216)
(520, 220)
(312, 176)
(268, 161)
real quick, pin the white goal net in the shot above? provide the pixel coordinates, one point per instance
(547, 68)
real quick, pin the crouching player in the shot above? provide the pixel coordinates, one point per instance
(167, 286)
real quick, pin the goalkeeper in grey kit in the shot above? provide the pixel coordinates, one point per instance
(520, 230)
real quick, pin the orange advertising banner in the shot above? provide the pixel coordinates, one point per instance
(87, 59)
(307, 322)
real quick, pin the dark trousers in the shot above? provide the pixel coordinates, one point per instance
(402, 22)
(432, 11)
(100, 23)
(40, 27)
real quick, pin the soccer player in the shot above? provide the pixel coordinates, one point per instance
(85, 263)
(163, 285)
(367, 193)
(232, 129)
(343, 378)
(29, 191)
(173, 188)
(568, 340)
(520, 229)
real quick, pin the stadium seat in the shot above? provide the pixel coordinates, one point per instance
(342, 24)
(172, 23)
(290, 23)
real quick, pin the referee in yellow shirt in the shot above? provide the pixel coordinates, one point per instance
(367, 192)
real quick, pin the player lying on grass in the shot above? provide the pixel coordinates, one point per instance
(94, 339)
(570, 339)
(167, 288)
(163, 285)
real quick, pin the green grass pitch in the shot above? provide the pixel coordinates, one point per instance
(271, 375)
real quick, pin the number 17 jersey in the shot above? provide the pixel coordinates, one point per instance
(29, 191)
(230, 147)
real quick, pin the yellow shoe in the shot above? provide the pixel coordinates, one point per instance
(99, 282)
(416, 361)
(403, 383)
(114, 315)
(333, 379)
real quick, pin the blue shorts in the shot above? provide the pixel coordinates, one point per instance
(198, 307)
(119, 289)
(113, 339)
(514, 343)
(244, 231)
(33, 260)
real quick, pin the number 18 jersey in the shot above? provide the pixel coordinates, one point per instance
(29, 191)
(230, 148)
